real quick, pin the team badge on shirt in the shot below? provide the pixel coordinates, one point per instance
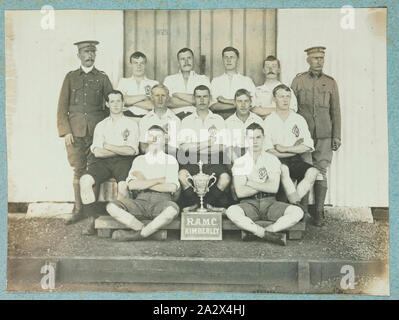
(125, 134)
(295, 131)
(212, 131)
(147, 90)
(262, 173)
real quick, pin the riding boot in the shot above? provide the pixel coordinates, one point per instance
(77, 212)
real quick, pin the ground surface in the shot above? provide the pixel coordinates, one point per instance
(338, 240)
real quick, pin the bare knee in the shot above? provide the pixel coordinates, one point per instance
(223, 181)
(285, 171)
(234, 212)
(295, 212)
(183, 177)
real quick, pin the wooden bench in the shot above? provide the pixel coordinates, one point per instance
(105, 225)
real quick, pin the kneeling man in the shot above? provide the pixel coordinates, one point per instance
(256, 179)
(155, 177)
(115, 143)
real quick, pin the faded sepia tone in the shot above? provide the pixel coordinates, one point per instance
(38, 171)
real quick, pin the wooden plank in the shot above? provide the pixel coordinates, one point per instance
(295, 234)
(270, 32)
(206, 41)
(194, 41)
(253, 44)
(107, 222)
(303, 276)
(104, 233)
(221, 38)
(178, 36)
(161, 42)
(130, 41)
(145, 38)
(238, 35)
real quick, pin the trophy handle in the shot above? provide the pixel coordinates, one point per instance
(214, 180)
(188, 181)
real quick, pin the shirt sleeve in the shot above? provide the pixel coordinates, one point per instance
(135, 167)
(307, 139)
(214, 91)
(335, 111)
(63, 124)
(274, 164)
(268, 143)
(98, 137)
(133, 138)
(142, 129)
(172, 171)
(251, 86)
(168, 82)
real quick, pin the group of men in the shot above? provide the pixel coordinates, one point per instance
(266, 145)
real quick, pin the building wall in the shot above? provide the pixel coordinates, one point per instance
(356, 59)
(37, 61)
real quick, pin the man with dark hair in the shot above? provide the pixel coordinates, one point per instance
(181, 85)
(162, 116)
(154, 177)
(288, 138)
(225, 86)
(318, 103)
(80, 108)
(256, 179)
(237, 123)
(203, 137)
(263, 100)
(115, 143)
(137, 89)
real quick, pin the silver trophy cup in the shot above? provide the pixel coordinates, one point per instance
(200, 185)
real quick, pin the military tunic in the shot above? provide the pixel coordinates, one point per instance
(80, 108)
(318, 103)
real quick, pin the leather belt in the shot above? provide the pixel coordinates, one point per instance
(261, 195)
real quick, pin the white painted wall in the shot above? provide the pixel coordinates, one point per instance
(37, 61)
(356, 58)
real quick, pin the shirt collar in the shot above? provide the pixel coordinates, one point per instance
(86, 70)
(167, 114)
(314, 74)
(192, 73)
(210, 115)
(235, 117)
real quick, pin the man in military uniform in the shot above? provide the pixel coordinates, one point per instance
(80, 108)
(318, 103)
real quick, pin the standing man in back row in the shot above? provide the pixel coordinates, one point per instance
(318, 103)
(80, 108)
(224, 87)
(181, 85)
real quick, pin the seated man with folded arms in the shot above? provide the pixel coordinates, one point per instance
(203, 137)
(256, 179)
(263, 103)
(224, 87)
(155, 177)
(161, 116)
(237, 123)
(288, 137)
(137, 89)
(115, 143)
(181, 85)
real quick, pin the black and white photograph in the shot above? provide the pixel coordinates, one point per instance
(226, 150)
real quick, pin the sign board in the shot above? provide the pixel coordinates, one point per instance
(201, 226)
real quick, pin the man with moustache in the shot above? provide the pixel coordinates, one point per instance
(181, 85)
(80, 108)
(263, 103)
(203, 137)
(225, 86)
(318, 103)
(115, 143)
(137, 89)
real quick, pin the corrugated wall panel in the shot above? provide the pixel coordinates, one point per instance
(356, 58)
(160, 34)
